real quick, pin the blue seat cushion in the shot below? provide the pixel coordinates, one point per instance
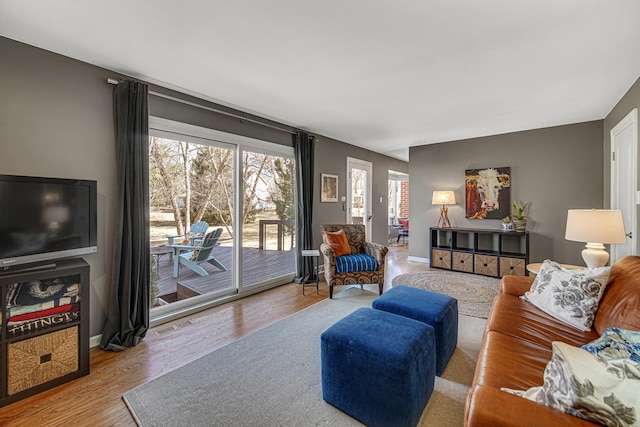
(432, 308)
(378, 367)
(355, 262)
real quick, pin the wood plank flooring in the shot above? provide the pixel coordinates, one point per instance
(96, 399)
(258, 265)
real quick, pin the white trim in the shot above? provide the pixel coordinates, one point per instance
(94, 341)
(629, 121)
(418, 259)
(367, 166)
(205, 305)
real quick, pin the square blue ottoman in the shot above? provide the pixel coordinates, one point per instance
(378, 367)
(432, 308)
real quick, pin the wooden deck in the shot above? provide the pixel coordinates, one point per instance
(258, 265)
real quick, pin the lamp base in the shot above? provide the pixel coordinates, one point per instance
(444, 218)
(594, 255)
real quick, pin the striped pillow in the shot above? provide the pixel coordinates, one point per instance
(356, 262)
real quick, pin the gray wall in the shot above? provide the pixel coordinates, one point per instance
(553, 168)
(56, 119)
(628, 102)
(331, 157)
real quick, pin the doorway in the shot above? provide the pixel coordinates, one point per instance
(359, 174)
(624, 159)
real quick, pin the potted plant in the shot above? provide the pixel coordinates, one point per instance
(507, 225)
(518, 216)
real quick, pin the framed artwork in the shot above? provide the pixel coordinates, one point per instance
(488, 193)
(329, 188)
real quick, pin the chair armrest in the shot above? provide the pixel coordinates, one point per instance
(327, 251)
(515, 285)
(376, 250)
(188, 247)
(329, 260)
(171, 238)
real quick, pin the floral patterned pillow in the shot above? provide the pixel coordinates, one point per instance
(616, 343)
(586, 386)
(571, 296)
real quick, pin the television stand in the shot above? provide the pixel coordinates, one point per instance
(47, 265)
(43, 348)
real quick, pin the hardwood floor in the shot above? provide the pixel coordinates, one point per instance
(96, 399)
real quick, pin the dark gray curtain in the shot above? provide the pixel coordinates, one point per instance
(128, 317)
(304, 147)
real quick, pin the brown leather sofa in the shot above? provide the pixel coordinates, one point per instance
(517, 346)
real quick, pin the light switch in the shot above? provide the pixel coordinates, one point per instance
(380, 199)
(343, 199)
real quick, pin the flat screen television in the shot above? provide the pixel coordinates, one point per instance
(44, 219)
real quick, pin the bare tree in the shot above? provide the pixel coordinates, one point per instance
(159, 156)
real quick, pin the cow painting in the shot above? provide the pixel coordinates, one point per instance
(487, 193)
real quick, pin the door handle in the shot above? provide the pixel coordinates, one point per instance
(369, 217)
(629, 235)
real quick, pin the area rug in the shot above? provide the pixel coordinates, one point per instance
(474, 293)
(272, 377)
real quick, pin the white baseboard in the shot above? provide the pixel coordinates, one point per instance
(417, 259)
(95, 341)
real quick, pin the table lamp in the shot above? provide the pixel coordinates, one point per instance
(595, 227)
(444, 198)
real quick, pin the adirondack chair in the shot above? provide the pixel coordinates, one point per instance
(197, 254)
(196, 231)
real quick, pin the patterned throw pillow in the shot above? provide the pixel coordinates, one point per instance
(583, 385)
(571, 296)
(338, 242)
(194, 254)
(616, 343)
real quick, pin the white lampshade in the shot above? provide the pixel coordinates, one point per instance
(444, 198)
(595, 227)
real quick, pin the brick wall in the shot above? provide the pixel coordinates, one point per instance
(404, 200)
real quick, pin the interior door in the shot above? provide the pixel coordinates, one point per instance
(359, 193)
(624, 142)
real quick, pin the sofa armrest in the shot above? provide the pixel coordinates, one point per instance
(515, 285)
(488, 406)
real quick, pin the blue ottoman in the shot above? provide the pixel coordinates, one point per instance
(432, 308)
(378, 367)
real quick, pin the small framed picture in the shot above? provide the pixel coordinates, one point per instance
(329, 192)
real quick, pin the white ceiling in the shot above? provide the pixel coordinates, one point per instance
(383, 75)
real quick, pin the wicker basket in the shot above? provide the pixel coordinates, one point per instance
(486, 264)
(512, 267)
(441, 259)
(44, 358)
(462, 261)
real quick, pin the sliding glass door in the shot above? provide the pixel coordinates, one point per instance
(191, 218)
(222, 215)
(268, 218)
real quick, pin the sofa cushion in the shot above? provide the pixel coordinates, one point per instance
(571, 296)
(506, 361)
(520, 319)
(338, 242)
(491, 407)
(584, 385)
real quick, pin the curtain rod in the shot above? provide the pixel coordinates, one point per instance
(204, 107)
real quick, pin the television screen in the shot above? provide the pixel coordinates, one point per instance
(46, 218)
